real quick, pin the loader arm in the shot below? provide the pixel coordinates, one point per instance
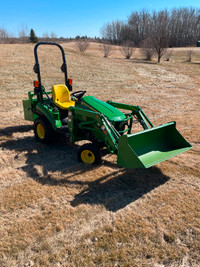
(151, 146)
(134, 150)
(96, 123)
(136, 111)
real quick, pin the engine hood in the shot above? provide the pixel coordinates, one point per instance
(92, 103)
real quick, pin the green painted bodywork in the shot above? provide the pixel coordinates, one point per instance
(110, 112)
(28, 114)
(92, 119)
(33, 108)
(29, 106)
(52, 115)
(152, 146)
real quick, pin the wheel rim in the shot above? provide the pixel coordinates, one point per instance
(87, 156)
(40, 131)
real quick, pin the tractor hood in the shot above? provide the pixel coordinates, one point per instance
(94, 104)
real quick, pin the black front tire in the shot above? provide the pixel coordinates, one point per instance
(89, 154)
(43, 130)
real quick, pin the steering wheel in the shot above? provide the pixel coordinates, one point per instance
(78, 94)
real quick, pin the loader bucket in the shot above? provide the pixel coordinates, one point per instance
(149, 147)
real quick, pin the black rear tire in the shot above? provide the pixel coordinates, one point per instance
(89, 154)
(43, 130)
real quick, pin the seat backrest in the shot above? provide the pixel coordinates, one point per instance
(60, 93)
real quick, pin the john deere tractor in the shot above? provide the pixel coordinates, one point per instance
(102, 124)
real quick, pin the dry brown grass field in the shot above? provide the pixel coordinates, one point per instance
(55, 211)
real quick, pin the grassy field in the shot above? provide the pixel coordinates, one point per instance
(55, 211)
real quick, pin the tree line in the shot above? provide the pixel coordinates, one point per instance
(172, 28)
(26, 35)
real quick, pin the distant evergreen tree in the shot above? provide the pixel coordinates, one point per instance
(33, 38)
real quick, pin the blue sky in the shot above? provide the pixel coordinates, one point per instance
(72, 18)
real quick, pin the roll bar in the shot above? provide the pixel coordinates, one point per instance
(36, 67)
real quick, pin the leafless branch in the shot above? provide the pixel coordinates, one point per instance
(127, 49)
(106, 49)
(190, 53)
(147, 49)
(169, 54)
(82, 44)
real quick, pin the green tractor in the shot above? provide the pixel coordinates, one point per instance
(102, 124)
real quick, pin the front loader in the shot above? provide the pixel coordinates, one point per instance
(104, 125)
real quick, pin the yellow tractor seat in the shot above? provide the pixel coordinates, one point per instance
(61, 96)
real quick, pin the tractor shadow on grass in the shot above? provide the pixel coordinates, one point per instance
(122, 189)
(8, 131)
(48, 158)
(114, 190)
(56, 156)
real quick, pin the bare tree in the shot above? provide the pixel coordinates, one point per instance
(106, 49)
(159, 32)
(23, 33)
(112, 31)
(147, 49)
(189, 55)
(3, 35)
(169, 54)
(139, 23)
(82, 44)
(127, 49)
(183, 26)
(46, 37)
(53, 36)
